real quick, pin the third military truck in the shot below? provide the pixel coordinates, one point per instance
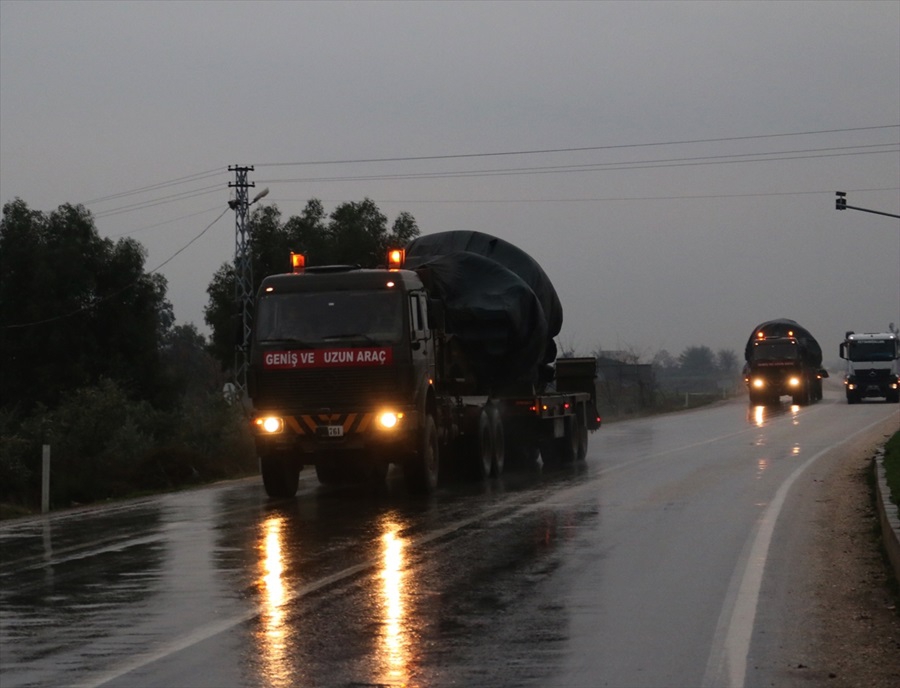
(873, 365)
(443, 361)
(783, 359)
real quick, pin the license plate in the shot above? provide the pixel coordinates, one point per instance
(332, 430)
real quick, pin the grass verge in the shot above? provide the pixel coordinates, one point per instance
(892, 468)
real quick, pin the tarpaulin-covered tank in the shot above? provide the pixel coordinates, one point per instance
(784, 327)
(499, 303)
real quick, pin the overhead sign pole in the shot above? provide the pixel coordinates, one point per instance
(840, 203)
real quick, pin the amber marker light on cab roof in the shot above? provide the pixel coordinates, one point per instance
(396, 257)
(298, 263)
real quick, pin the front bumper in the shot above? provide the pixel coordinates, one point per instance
(305, 435)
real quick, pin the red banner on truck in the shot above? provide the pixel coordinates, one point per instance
(328, 358)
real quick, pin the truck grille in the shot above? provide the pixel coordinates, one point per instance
(872, 375)
(334, 389)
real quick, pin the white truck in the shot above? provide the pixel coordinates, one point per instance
(873, 365)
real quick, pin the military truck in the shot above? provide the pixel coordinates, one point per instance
(441, 362)
(783, 359)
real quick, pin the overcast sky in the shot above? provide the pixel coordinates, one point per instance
(672, 165)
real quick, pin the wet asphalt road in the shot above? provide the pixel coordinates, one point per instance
(644, 566)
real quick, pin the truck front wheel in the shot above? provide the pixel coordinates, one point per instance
(422, 468)
(498, 455)
(280, 476)
(484, 451)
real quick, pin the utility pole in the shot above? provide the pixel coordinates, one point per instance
(243, 272)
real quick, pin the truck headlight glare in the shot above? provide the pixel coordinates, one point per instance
(759, 383)
(389, 420)
(270, 425)
(794, 382)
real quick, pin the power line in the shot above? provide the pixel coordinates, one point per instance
(594, 199)
(647, 164)
(160, 185)
(573, 150)
(778, 156)
(165, 222)
(109, 297)
(184, 195)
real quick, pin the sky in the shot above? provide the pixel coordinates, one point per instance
(671, 165)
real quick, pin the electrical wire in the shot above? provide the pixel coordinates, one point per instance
(594, 200)
(116, 293)
(601, 167)
(573, 150)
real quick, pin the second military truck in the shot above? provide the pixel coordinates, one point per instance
(443, 361)
(783, 359)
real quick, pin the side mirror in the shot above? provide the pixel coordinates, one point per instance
(823, 373)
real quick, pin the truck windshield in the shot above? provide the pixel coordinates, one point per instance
(873, 350)
(771, 351)
(313, 318)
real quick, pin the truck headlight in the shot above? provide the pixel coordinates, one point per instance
(794, 382)
(389, 419)
(759, 383)
(270, 425)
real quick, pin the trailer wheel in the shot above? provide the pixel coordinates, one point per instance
(484, 451)
(520, 448)
(569, 443)
(280, 476)
(562, 450)
(581, 435)
(498, 440)
(422, 469)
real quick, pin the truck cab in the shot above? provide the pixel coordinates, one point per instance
(341, 365)
(872, 365)
(777, 367)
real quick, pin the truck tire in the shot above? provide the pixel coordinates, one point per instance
(484, 446)
(569, 443)
(422, 469)
(559, 451)
(852, 398)
(498, 441)
(581, 435)
(280, 476)
(892, 397)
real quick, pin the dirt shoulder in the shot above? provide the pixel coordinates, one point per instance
(853, 634)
